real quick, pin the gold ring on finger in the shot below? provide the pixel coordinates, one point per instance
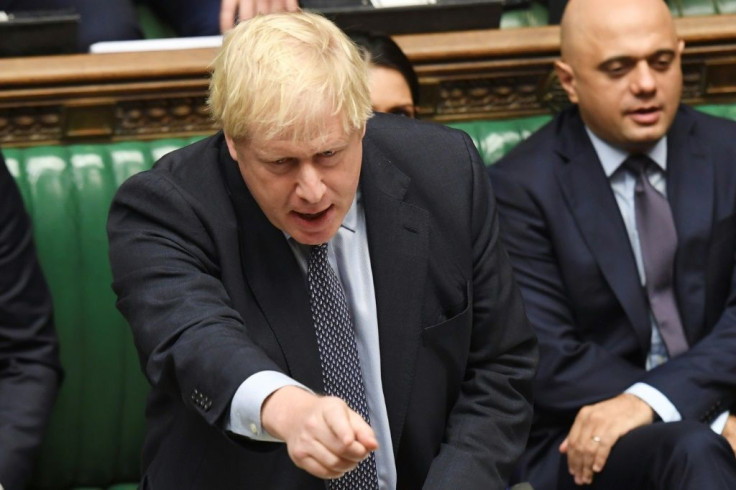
(596, 439)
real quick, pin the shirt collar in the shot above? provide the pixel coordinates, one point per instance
(351, 219)
(612, 157)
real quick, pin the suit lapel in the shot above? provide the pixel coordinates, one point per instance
(398, 240)
(690, 188)
(274, 277)
(588, 192)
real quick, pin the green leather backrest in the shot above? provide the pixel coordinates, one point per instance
(686, 8)
(96, 429)
(495, 138)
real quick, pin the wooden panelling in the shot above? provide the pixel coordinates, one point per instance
(463, 75)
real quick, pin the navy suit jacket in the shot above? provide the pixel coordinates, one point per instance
(574, 262)
(214, 294)
(30, 371)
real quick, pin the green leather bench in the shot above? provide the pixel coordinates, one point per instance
(97, 426)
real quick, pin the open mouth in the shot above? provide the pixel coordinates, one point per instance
(312, 216)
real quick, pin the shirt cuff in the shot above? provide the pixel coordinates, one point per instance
(245, 408)
(657, 401)
(719, 423)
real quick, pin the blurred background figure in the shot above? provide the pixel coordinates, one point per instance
(393, 84)
(556, 7)
(212, 17)
(117, 20)
(106, 20)
(30, 371)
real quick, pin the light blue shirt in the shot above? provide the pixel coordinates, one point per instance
(350, 259)
(623, 184)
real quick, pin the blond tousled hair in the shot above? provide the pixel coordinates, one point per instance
(282, 74)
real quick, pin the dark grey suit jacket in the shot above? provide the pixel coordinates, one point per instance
(214, 294)
(574, 262)
(30, 371)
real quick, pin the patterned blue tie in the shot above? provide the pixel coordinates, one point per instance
(338, 353)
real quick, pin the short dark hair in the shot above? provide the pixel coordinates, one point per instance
(383, 51)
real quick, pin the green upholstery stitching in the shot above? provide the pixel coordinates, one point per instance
(496, 138)
(97, 426)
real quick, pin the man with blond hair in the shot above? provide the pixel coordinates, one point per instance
(319, 296)
(620, 221)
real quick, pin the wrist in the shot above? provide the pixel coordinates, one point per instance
(644, 411)
(279, 409)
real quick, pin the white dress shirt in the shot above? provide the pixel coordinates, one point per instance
(350, 259)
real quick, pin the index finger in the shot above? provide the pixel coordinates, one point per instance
(346, 426)
(364, 433)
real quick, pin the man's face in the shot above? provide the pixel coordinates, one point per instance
(624, 74)
(305, 188)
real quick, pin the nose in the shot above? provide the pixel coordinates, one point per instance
(309, 185)
(643, 82)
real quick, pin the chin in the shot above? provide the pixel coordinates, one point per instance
(317, 238)
(645, 138)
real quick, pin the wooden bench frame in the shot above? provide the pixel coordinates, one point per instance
(466, 75)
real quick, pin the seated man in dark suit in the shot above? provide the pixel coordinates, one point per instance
(620, 220)
(30, 371)
(311, 277)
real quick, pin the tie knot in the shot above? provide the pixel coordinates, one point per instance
(318, 253)
(638, 164)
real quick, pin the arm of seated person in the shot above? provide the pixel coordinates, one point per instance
(245, 9)
(596, 429)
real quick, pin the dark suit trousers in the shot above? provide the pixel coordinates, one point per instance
(673, 456)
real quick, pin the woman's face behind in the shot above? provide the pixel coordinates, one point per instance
(390, 92)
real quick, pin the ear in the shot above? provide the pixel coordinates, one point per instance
(567, 79)
(231, 147)
(680, 46)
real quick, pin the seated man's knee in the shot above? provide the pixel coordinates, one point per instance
(693, 441)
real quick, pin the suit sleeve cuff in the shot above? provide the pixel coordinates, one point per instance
(245, 409)
(656, 399)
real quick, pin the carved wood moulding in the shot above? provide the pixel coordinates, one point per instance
(186, 115)
(35, 124)
(463, 75)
